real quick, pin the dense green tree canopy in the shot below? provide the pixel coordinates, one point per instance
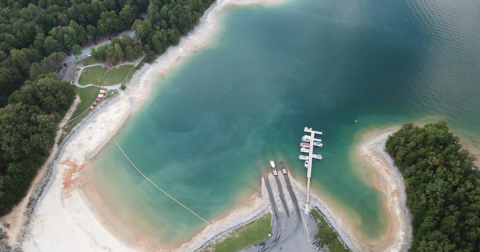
(31, 31)
(34, 37)
(443, 187)
(27, 131)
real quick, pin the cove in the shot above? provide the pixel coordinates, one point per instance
(214, 121)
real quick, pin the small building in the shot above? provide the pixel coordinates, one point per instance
(100, 95)
(98, 99)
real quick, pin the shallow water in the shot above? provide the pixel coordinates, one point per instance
(216, 119)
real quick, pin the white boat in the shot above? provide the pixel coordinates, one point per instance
(284, 171)
(318, 144)
(306, 165)
(317, 156)
(304, 150)
(304, 144)
(275, 172)
(307, 129)
(317, 140)
(272, 164)
(306, 138)
(302, 157)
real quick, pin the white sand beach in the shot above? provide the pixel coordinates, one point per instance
(70, 217)
(389, 181)
(65, 212)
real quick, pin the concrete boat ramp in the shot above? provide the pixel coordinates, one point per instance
(291, 230)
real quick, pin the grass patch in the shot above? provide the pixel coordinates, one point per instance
(326, 234)
(92, 75)
(116, 75)
(67, 128)
(248, 235)
(87, 97)
(88, 61)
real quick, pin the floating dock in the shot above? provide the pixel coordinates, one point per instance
(309, 172)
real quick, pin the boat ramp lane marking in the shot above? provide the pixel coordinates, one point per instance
(151, 182)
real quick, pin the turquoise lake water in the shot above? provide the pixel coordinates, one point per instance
(216, 119)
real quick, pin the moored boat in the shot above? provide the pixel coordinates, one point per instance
(305, 150)
(272, 164)
(306, 138)
(302, 157)
(305, 145)
(306, 164)
(317, 156)
(318, 144)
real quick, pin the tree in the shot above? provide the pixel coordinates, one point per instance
(20, 60)
(146, 48)
(92, 31)
(69, 41)
(118, 53)
(126, 40)
(51, 45)
(108, 22)
(443, 187)
(142, 29)
(127, 15)
(129, 53)
(52, 61)
(110, 55)
(76, 50)
(35, 70)
(80, 33)
(100, 53)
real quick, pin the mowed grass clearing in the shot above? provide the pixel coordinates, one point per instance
(116, 75)
(87, 97)
(92, 75)
(248, 235)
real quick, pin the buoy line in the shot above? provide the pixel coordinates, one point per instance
(151, 182)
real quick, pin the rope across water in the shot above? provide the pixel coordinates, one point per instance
(151, 182)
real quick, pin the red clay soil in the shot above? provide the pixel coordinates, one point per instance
(69, 180)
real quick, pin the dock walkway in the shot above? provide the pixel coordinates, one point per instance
(309, 172)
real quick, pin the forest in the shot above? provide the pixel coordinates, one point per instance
(28, 125)
(442, 186)
(36, 36)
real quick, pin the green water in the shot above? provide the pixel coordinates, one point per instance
(216, 119)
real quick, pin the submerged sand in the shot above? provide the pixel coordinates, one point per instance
(69, 215)
(389, 180)
(72, 217)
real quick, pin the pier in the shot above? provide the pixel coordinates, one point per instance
(309, 169)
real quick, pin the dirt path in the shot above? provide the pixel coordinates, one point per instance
(112, 86)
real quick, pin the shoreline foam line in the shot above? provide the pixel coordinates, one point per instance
(151, 182)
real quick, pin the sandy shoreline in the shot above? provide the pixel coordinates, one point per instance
(68, 213)
(390, 182)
